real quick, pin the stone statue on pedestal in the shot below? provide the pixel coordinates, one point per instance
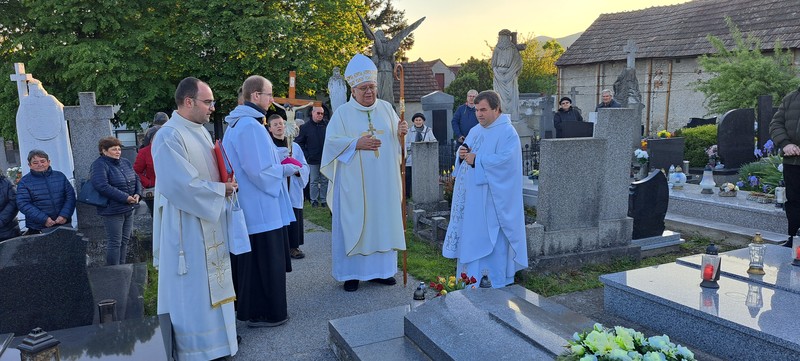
(337, 89)
(507, 64)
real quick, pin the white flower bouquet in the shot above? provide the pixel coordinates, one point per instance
(620, 343)
(641, 156)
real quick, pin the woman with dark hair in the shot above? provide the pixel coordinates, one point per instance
(9, 225)
(418, 132)
(143, 166)
(114, 178)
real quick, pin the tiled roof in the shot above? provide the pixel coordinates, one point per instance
(419, 81)
(680, 30)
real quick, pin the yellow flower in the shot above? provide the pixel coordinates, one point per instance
(443, 292)
(452, 279)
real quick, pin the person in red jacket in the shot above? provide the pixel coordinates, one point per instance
(143, 166)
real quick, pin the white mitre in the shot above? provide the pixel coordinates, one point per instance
(360, 69)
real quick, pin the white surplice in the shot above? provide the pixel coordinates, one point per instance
(487, 219)
(189, 214)
(296, 183)
(365, 193)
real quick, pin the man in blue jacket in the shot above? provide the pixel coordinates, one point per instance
(464, 118)
(44, 195)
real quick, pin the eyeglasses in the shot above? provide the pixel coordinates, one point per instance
(265, 93)
(367, 88)
(209, 102)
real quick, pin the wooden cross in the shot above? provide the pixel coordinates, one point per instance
(22, 79)
(371, 131)
(631, 49)
(291, 99)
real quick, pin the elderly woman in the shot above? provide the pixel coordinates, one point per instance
(114, 178)
(419, 132)
(44, 195)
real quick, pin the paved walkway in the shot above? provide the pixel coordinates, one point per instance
(314, 298)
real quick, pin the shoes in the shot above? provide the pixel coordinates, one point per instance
(314, 204)
(323, 205)
(385, 281)
(351, 285)
(296, 253)
(238, 340)
(789, 243)
(265, 323)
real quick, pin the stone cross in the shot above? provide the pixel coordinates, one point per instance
(371, 131)
(22, 79)
(631, 49)
(90, 122)
(573, 94)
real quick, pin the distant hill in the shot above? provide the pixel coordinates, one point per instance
(566, 41)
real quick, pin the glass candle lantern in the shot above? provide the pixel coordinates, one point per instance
(780, 194)
(796, 251)
(709, 267)
(707, 183)
(39, 346)
(757, 249)
(754, 300)
(709, 302)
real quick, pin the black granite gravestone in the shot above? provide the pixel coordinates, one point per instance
(735, 135)
(439, 127)
(696, 122)
(665, 152)
(647, 205)
(576, 130)
(44, 282)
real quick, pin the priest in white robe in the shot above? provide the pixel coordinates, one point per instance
(362, 158)
(190, 230)
(486, 232)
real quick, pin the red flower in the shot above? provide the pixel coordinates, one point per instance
(472, 280)
(463, 276)
(439, 287)
(433, 284)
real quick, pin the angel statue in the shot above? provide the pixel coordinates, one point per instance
(383, 51)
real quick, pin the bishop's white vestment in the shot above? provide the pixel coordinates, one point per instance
(365, 193)
(487, 219)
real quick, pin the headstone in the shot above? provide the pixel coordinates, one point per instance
(536, 114)
(337, 89)
(631, 49)
(573, 94)
(44, 282)
(765, 112)
(425, 175)
(89, 123)
(41, 125)
(735, 137)
(696, 122)
(546, 109)
(647, 205)
(576, 130)
(438, 109)
(664, 152)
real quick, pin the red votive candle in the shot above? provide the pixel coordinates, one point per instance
(797, 250)
(708, 272)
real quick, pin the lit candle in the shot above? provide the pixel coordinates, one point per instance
(708, 272)
(797, 250)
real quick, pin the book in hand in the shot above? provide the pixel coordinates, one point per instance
(223, 164)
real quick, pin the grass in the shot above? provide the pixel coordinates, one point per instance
(320, 216)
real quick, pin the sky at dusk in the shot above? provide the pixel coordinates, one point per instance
(454, 30)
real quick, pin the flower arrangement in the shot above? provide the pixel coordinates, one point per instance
(452, 284)
(13, 173)
(728, 190)
(533, 174)
(641, 156)
(664, 134)
(447, 180)
(643, 144)
(622, 343)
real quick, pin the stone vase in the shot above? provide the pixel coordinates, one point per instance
(644, 170)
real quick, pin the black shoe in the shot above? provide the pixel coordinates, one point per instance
(238, 340)
(314, 204)
(351, 285)
(323, 205)
(385, 281)
(788, 243)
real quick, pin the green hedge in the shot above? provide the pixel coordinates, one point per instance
(697, 140)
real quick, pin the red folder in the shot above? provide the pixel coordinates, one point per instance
(223, 163)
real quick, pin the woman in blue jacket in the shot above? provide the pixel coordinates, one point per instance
(115, 178)
(44, 195)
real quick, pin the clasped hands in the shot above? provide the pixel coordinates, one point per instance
(133, 199)
(50, 222)
(791, 150)
(369, 142)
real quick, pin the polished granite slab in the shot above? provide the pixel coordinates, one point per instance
(780, 273)
(148, 338)
(490, 324)
(741, 320)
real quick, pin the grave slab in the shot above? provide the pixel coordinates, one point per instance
(780, 273)
(726, 322)
(735, 134)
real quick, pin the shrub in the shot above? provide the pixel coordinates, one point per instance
(696, 141)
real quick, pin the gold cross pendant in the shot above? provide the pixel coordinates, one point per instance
(371, 131)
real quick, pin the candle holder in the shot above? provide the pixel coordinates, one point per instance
(780, 194)
(757, 249)
(796, 251)
(419, 293)
(39, 346)
(709, 302)
(485, 281)
(754, 300)
(709, 267)
(708, 181)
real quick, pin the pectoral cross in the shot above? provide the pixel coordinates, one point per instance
(371, 131)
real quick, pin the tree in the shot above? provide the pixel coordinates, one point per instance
(474, 74)
(538, 66)
(134, 55)
(382, 14)
(743, 73)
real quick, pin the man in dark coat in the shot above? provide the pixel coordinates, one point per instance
(607, 97)
(565, 113)
(784, 133)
